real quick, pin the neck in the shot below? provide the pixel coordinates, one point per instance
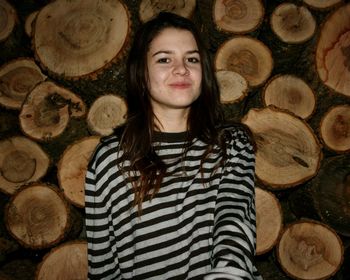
(173, 121)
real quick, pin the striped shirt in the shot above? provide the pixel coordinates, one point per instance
(200, 225)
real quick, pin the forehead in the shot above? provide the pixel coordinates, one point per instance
(173, 37)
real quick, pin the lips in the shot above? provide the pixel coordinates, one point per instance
(180, 85)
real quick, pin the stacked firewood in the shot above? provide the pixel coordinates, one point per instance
(283, 69)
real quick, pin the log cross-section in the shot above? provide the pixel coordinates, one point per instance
(291, 93)
(80, 38)
(292, 23)
(335, 128)
(72, 169)
(238, 16)
(21, 161)
(46, 111)
(288, 151)
(322, 4)
(269, 220)
(67, 261)
(150, 8)
(233, 86)
(310, 250)
(17, 78)
(38, 216)
(8, 19)
(106, 113)
(333, 51)
(247, 56)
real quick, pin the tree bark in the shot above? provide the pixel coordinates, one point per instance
(29, 23)
(7, 246)
(331, 193)
(3, 276)
(19, 269)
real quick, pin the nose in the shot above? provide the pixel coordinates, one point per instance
(180, 68)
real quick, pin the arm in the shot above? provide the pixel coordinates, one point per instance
(234, 236)
(101, 261)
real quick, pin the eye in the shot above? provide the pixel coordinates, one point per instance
(163, 60)
(193, 60)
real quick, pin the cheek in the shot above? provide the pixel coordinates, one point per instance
(151, 79)
(157, 83)
(198, 77)
(156, 76)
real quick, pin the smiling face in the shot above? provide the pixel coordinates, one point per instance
(174, 71)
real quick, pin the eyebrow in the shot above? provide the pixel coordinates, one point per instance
(170, 52)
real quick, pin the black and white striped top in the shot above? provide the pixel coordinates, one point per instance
(198, 226)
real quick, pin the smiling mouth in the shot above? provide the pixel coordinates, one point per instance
(180, 85)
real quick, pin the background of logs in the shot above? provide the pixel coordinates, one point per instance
(321, 199)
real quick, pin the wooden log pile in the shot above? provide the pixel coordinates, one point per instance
(283, 68)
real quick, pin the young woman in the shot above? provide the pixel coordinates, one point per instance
(171, 194)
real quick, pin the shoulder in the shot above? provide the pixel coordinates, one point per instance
(234, 134)
(107, 146)
(112, 141)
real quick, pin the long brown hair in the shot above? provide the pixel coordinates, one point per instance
(136, 138)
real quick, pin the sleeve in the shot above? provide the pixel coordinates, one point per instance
(102, 264)
(234, 233)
